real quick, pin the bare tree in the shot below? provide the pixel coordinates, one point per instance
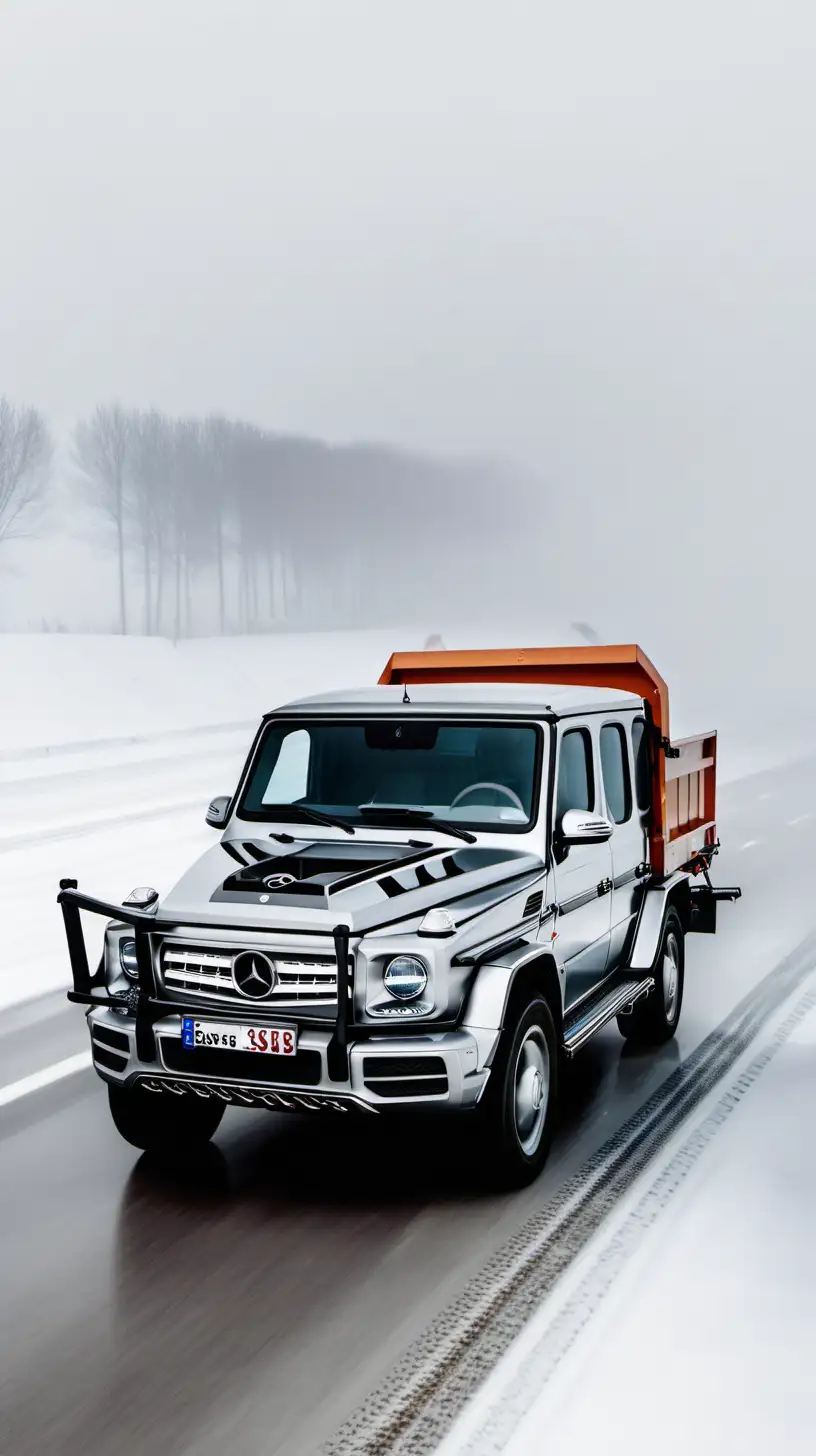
(217, 442)
(150, 470)
(223, 512)
(25, 460)
(101, 446)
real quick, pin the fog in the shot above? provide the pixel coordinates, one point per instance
(580, 238)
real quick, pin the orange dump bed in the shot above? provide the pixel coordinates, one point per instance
(683, 774)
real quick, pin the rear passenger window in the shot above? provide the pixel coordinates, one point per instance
(615, 768)
(576, 789)
(643, 774)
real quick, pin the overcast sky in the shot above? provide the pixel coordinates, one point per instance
(582, 232)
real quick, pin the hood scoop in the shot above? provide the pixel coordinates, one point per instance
(318, 869)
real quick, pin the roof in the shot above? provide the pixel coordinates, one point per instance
(527, 700)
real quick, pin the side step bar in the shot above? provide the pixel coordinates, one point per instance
(590, 1016)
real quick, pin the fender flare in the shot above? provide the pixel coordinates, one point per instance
(657, 899)
(495, 981)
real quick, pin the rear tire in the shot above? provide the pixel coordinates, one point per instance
(159, 1123)
(654, 1019)
(517, 1112)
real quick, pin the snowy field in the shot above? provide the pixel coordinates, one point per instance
(69, 689)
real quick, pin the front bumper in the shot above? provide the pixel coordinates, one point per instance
(444, 1070)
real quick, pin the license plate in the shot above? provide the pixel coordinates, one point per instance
(276, 1041)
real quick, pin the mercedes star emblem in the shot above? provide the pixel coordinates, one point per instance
(254, 974)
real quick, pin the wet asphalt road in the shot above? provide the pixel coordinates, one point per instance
(248, 1304)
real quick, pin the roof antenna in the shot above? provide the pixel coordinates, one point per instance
(405, 697)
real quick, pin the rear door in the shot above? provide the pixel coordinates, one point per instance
(622, 789)
(582, 873)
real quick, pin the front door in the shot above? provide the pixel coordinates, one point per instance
(583, 873)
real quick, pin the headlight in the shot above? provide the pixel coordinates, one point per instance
(127, 959)
(405, 977)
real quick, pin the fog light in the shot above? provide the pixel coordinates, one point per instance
(405, 977)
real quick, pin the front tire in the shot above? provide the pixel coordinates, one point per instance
(518, 1109)
(654, 1020)
(159, 1123)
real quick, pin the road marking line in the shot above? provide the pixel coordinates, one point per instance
(749, 844)
(36, 1080)
(800, 819)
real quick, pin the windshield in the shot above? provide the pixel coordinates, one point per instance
(476, 775)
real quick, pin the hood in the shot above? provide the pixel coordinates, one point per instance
(315, 885)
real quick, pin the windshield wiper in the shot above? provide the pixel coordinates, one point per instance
(404, 814)
(283, 811)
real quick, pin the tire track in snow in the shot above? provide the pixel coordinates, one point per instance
(410, 1412)
(560, 1332)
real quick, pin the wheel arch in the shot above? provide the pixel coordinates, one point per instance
(679, 899)
(674, 893)
(499, 985)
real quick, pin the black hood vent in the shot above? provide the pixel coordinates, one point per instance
(316, 869)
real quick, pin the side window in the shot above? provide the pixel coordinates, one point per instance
(643, 773)
(576, 789)
(290, 776)
(615, 769)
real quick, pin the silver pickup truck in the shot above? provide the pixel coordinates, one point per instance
(424, 895)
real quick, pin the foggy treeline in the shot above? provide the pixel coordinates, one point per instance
(25, 464)
(218, 525)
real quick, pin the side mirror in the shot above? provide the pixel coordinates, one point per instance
(580, 827)
(218, 811)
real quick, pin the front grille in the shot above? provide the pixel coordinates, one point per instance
(207, 971)
(303, 1069)
(406, 1076)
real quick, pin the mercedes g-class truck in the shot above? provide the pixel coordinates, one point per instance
(425, 895)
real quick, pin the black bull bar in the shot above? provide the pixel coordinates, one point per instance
(151, 1005)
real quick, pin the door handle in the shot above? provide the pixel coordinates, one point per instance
(604, 887)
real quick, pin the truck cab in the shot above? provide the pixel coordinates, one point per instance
(424, 895)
